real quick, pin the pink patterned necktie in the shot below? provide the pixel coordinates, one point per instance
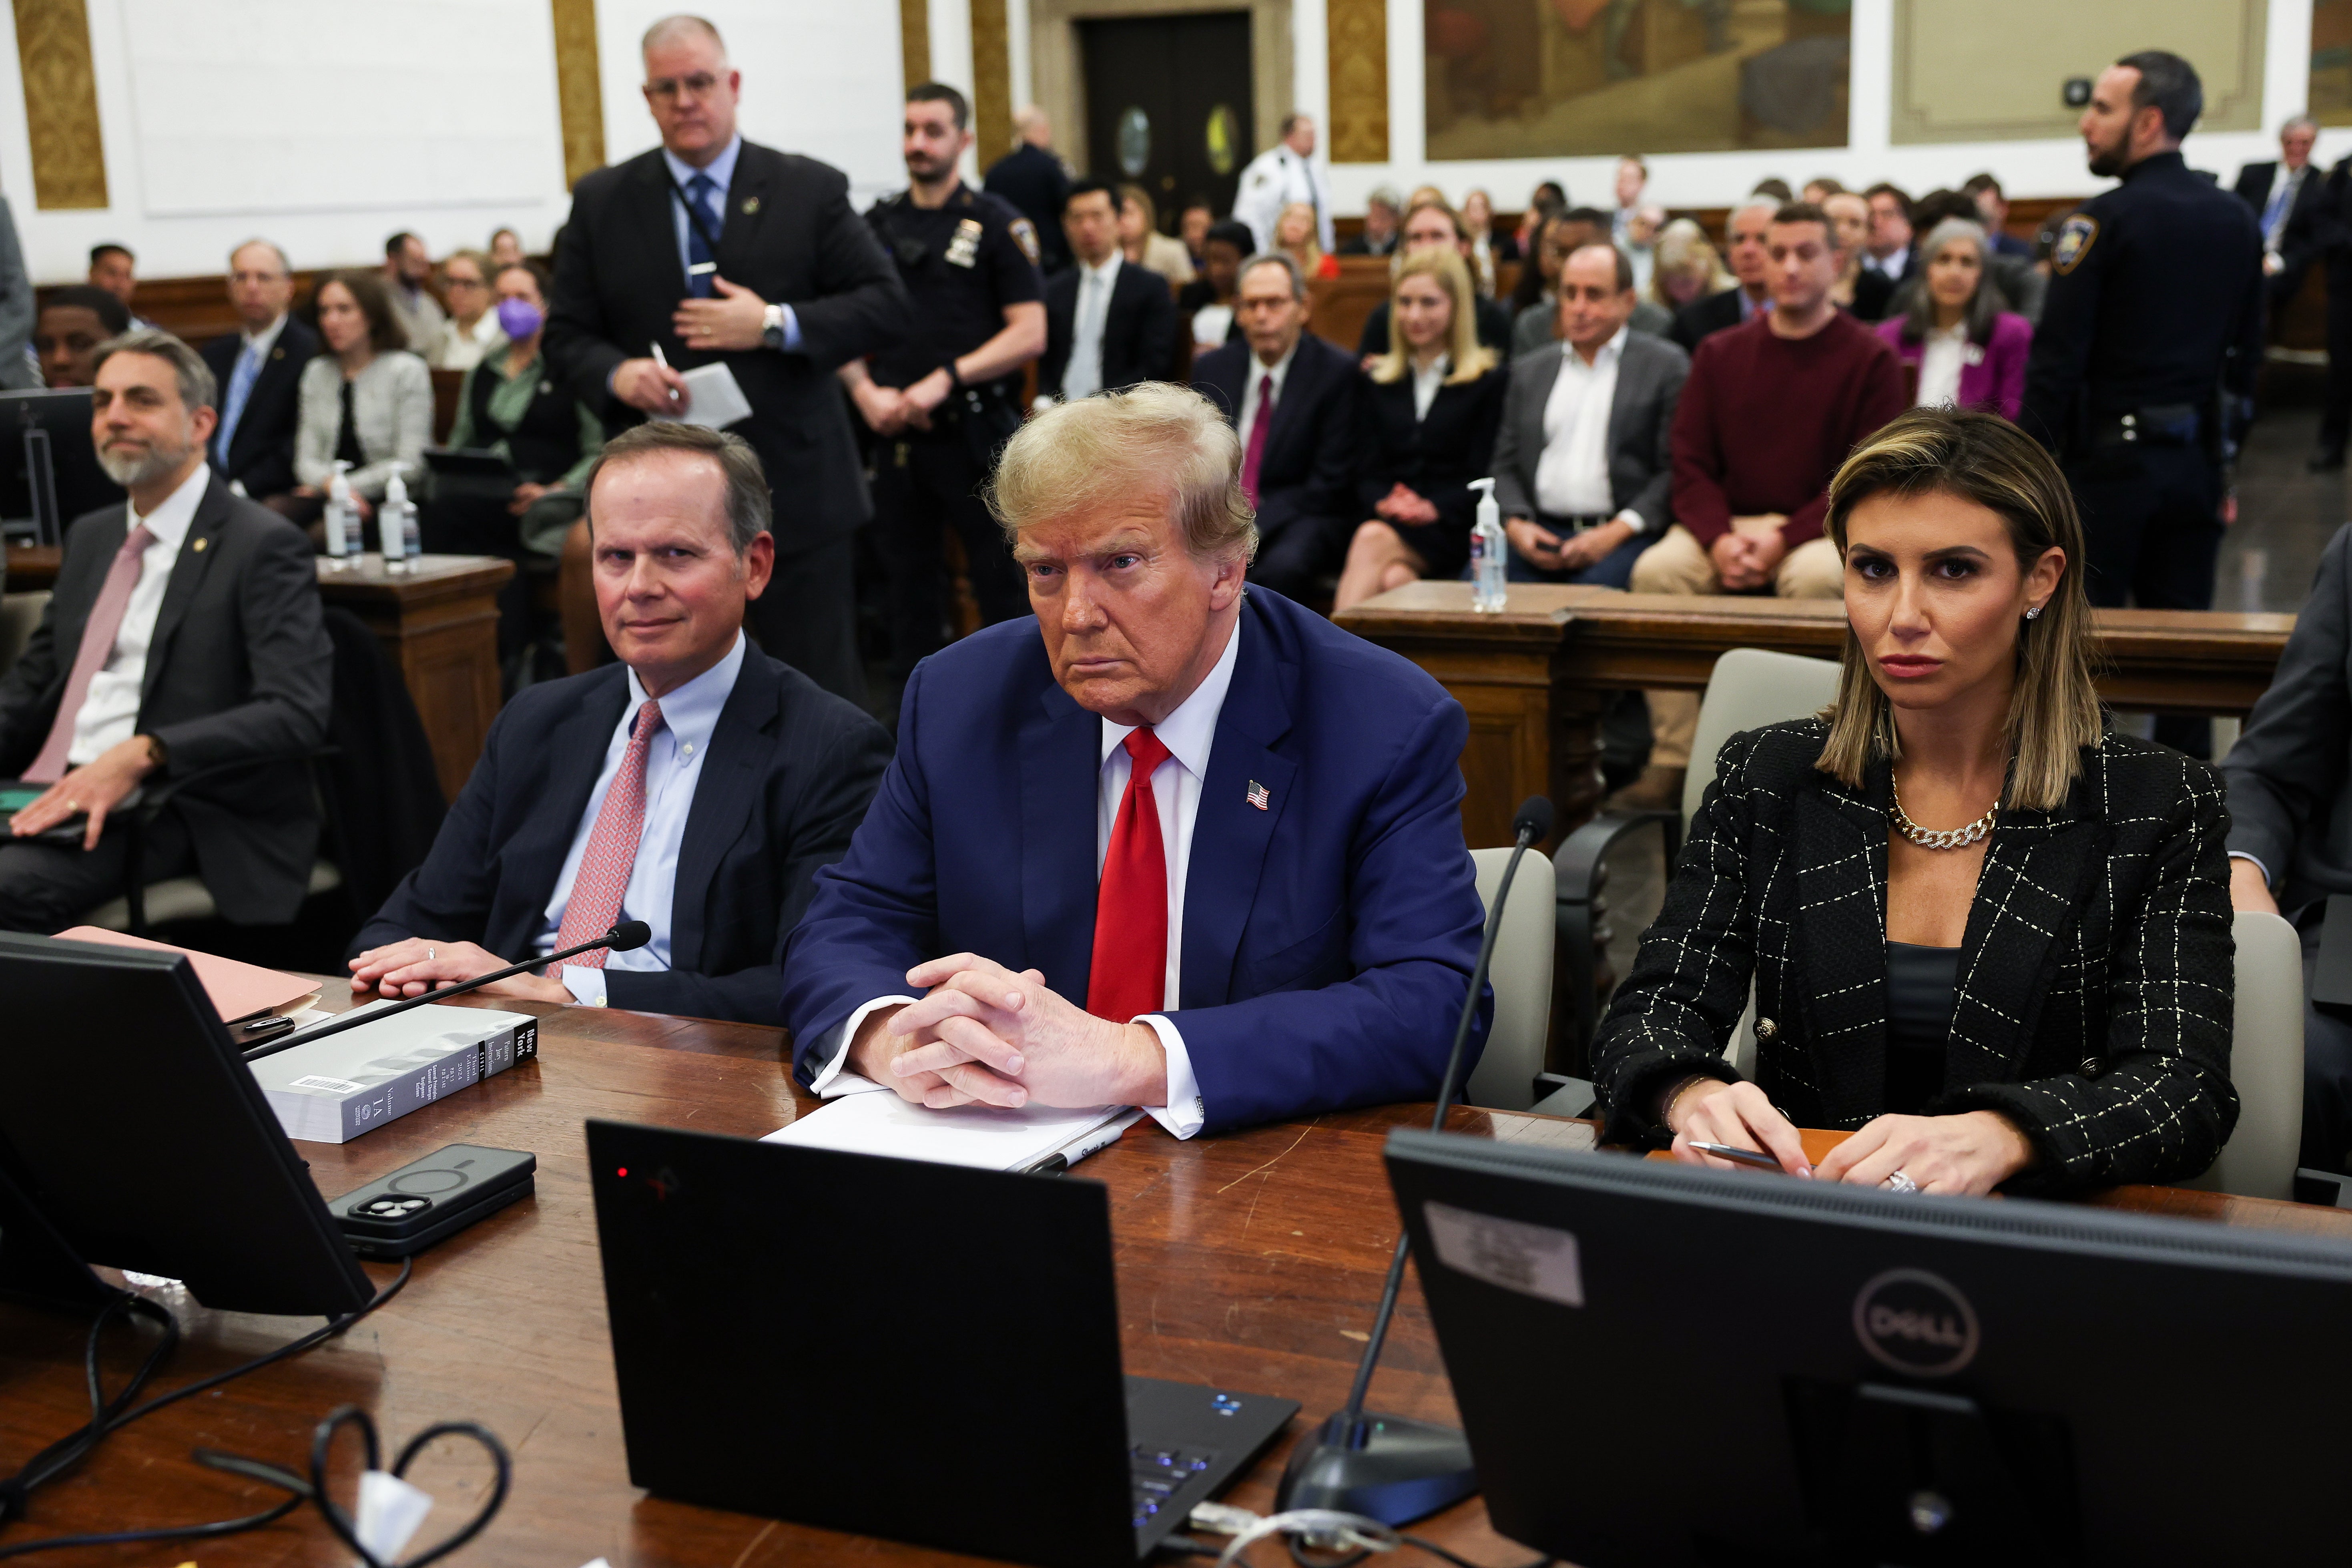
(1258, 428)
(97, 635)
(612, 852)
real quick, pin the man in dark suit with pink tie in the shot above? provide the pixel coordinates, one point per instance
(1175, 845)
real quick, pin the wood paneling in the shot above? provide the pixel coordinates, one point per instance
(1356, 36)
(61, 104)
(991, 81)
(578, 87)
(915, 40)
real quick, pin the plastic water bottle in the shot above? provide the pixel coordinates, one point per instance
(396, 518)
(1488, 593)
(342, 523)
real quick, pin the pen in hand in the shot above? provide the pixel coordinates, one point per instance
(662, 359)
(1738, 1156)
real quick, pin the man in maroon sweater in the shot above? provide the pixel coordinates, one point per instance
(1772, 408)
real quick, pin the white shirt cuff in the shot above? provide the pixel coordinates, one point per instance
(831, 1081)
(2257, 863)
(1630, 515)
(791, 322)
(586, 984)
(1183, 1115)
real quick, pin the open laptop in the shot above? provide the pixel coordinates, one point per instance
(924, 1353)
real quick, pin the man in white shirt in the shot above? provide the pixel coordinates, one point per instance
(182, 649)
(1283, 173)
(1169, 846)
(258, 369)
(1584, 465)
(1889, 251)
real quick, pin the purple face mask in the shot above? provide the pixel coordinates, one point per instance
(518, 318)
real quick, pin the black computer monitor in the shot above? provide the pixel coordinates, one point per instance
(1661, 1365)
(81, 486)
(132, 1134)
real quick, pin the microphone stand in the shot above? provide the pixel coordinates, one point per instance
(1392, 1467)
(618, 938)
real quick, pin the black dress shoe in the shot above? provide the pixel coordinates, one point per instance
(2325, 460)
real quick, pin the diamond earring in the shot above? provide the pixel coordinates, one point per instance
(2033, 613)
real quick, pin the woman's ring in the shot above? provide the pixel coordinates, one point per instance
(1899, 1183)
(428, 958)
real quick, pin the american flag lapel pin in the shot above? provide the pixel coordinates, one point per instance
(1257, 795)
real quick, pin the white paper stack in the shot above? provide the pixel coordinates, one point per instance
(331, 1091)
(990, 1137)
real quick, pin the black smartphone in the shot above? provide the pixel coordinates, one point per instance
(431, 1198)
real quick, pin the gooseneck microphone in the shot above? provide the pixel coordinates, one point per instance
(622, 938)
(1389, 1467)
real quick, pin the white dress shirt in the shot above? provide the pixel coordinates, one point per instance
(1426, 380)
(1258, 371)
(109, 709)
(1271, 182)
(1188, 732)
(1941, 353)
(462, 347)
(721, 171)
(1572, 474)
(1082, 377)
(673, 766)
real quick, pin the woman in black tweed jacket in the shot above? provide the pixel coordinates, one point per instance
(2023, 979)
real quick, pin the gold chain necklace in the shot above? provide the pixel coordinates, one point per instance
(1949, 838)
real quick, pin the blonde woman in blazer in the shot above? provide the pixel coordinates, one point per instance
(1986, 935)
(390, 396)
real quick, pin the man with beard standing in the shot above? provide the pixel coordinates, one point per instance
(2149, 340)
(184, 637)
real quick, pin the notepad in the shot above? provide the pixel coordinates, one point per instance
(987, 1136)
(714, 398)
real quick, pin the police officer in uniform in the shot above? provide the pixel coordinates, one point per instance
(942, 401)
(2147, 350)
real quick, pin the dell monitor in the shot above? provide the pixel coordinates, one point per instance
(61, 417)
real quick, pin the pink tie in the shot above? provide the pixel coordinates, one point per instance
(612, 852)
(96, 647)
(1258, 428)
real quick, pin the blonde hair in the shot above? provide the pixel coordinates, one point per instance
(1312, 245)
(1471, 358)
(1099, 451)
(2054, 707)
(1682, 247)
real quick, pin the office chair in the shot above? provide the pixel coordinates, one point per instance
(2265, 1062)
(1521, 975)
(19, 614)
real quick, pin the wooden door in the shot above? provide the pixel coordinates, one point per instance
(1168, 106)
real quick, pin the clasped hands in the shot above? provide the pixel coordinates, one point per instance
(1749, 552)
(984, 1035)
(893, 410)
(1543, 548)
(1970, 1153)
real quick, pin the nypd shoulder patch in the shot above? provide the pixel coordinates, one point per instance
(1025, 235)
(2073, 242)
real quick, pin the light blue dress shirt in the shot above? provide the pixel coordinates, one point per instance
(721, 171)
(673, 764)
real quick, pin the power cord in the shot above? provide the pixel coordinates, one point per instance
(1355, 1535)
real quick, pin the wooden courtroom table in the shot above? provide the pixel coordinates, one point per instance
(439, 622)
(1536, 678)
(1250, 1259)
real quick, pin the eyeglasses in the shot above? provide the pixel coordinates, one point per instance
(669, 90)
(465, 283)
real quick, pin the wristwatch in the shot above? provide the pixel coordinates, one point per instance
(771, 326)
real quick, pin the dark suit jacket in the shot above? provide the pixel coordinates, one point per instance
(1308, 469)
(1328, 938)
(1494, 328)
(1139, 329)
(238, 671)
(2095, 977)
(2288, 774)
(1711, 313)
(791, 238)
(1033, 180)
(787, 780)
(1436, 455)
(1650, 377)
(262, 455)
(2309, 223)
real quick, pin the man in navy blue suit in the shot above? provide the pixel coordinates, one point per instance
(695, 785)
(1173, 847)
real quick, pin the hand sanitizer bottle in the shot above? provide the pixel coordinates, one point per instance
(1488, 593)
(338, 520)
(397, 522)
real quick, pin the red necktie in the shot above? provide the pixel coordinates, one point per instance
(1130, 976)
(97, 635)
(1258, 428)
(612, 852)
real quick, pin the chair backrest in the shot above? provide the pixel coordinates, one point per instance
(1750, 688)
(1521, 975)
(2265, 1062)
(19, 614)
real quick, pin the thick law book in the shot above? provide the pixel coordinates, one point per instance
(333, 1089)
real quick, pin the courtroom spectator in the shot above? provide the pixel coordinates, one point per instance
(1821, 188)
(472, 329)
(1686, 269)
(1583, 461)
(1206, 305)
(1331, 917)
(1430, 415)
(1109, 322)
(1641, 247)
(1549, 197)
(1633, 178)
(1883, 884)
(1382, 214)
(73, 321)
(2289, 199)
(1889, 250)
(800, 287)
(1294, 236)
(113, 269)
(366, 401)
(406, 271)
(1770, 410)
(1292, 399)
(1751, 269)
(2017, 284)
(1774, 189)
(1868, 294)
(1485, 248)
(258, 369)
(1141, 241)
(1555, 235)
(506, 250)
(2290, 783)
(1192, 225)
(1033, 180)
(1433, 226)
(1992, 211)
(1539, 327)
(20, 367)
(182, 649)
(589, 804)
(1969, 352)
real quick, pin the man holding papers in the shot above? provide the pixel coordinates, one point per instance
(710, 250)
(1172, 847)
